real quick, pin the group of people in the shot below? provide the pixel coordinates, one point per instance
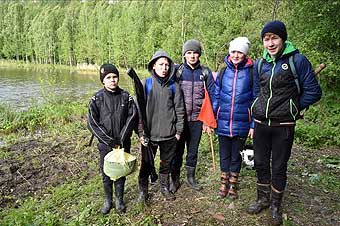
(260, 100)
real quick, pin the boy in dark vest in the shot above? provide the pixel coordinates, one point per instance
(275, 110)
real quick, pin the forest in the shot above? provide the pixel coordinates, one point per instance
(127, 33)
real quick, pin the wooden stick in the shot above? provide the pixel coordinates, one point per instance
(212, 151)
(320, 68)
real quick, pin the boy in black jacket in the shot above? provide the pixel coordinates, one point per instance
(112, 118)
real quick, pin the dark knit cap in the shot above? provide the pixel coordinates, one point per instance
(107, 69)
(276, 27)
(192, 45)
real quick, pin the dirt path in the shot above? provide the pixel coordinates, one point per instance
(311, 198)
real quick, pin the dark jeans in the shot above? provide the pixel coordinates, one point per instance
(103, 150)
(167, 151)
(230, 157)
(272, 143)
(191, 137)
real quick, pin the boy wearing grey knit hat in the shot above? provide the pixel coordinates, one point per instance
(193, 78)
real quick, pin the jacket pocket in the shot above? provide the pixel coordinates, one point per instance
(252, 106)
(294, 111)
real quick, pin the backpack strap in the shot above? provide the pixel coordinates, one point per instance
(220, 77)
(259, 66)
(179, 72)
(148, 86)
(292, 68)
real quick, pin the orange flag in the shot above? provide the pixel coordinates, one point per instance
(207, 114)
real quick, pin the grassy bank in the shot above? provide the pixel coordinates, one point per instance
(50, 177)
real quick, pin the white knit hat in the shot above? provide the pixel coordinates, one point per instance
(240, 44)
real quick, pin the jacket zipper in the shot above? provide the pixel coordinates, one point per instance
(232, 103)
(271, 92)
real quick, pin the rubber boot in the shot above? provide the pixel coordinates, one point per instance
(143, 184)
(275, 208)
(233, 180)
(119, 193)
(191, 178)
(107, 197)
(223, 190)
(165, 183)
(262, 201)
(175, 181)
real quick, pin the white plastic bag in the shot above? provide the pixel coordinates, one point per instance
(118, 163)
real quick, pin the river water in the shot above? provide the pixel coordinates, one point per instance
(22, 88)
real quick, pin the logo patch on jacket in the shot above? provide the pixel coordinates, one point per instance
(284, 66)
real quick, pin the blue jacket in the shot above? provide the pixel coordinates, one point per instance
(278, 99)
(232, 100)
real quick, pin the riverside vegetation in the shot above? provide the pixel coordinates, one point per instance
(50, 177)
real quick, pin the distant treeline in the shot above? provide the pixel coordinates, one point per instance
(129, 32)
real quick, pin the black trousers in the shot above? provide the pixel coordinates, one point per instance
(272, 149)
(191, 137)
(167, 151)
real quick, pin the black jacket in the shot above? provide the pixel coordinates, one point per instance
(112, 116)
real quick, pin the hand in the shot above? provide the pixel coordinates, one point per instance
(144, 140)
(207, 129)
(251, 133)
(178, 136)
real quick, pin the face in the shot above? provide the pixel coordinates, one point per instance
(111, 81)
(237, 57)
(191, 57)
(161, 67)
(273, 43)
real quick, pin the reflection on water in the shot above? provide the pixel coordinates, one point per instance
(21, 88)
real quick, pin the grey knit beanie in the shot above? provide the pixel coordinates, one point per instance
(192, 45)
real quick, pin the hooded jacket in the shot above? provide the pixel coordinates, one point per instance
(278, 99)
(112, 116)
(232, 99)
(165, 107)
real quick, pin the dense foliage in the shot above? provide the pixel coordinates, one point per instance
(128, 32)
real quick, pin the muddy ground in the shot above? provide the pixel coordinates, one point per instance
(31, 167)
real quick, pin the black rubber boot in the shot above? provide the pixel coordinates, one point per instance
(107, 197)
(262, 201)
(165, 183)
(143, 184)
(275, 208)
(191, 178)
(175, 181)
(119, 193)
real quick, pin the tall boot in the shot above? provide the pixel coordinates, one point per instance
(191, 178)
(275, 207)
(233, 180)
(119, 193)
(107, 197)
(143, 184)
(223, 191)
(165, 183)
(175, 181)
(262, 201)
